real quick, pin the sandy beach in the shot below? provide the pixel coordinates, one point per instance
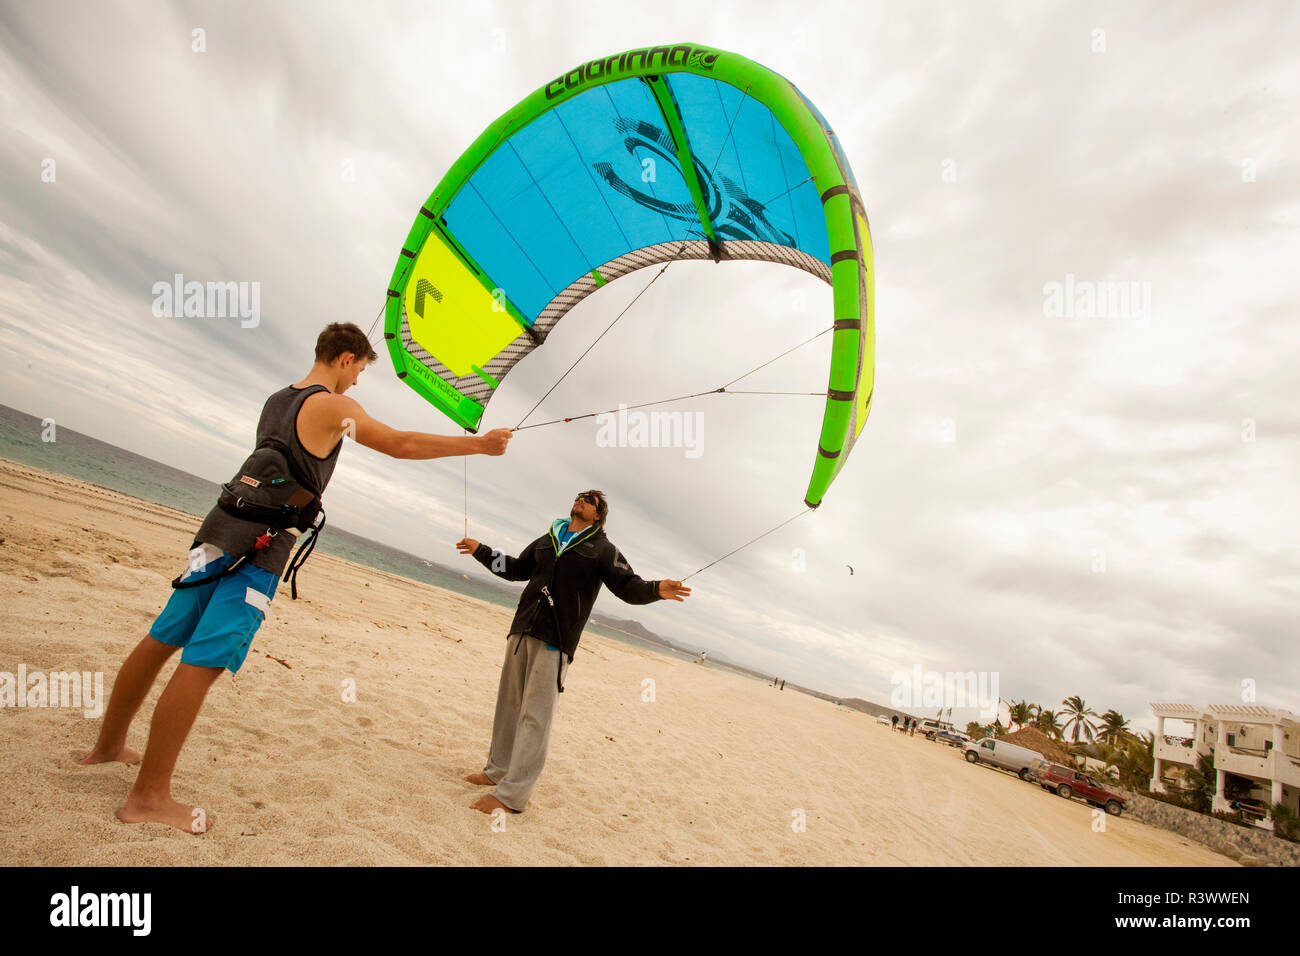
(713, 771)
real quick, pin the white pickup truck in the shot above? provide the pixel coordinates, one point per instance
(999, 753)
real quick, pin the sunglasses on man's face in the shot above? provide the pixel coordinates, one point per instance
(590, 499)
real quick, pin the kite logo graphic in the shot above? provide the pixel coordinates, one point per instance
(422, 288)
(645, 59)
(734, 214)
(702, 60)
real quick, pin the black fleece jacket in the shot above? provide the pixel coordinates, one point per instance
(562, 588)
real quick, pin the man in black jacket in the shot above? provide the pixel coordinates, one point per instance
(564, 569)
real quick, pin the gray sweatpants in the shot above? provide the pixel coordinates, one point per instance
(521, 729)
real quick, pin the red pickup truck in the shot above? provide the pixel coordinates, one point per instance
(1071, 783)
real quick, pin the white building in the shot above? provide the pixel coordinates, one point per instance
(1260, 744)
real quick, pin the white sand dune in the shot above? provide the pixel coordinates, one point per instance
(713, 771)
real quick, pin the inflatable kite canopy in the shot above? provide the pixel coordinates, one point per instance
(643, 157)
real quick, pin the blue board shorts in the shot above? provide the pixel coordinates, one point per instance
(215, 623)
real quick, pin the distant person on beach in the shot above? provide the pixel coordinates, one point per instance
(564, 569)
(235, 566)
(893, 721)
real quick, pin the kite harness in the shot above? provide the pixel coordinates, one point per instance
(269, 489)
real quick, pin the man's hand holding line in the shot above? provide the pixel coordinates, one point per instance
(671, 590)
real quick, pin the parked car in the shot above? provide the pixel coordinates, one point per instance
(882, 719)
(930, 727)
(950, 738)
(1065, 782)
(1001, 753)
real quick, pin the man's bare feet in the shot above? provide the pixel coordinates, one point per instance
(169, 811)
(480, 778)
(489, 803)
(123, 754)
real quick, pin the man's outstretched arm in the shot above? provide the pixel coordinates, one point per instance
(500, 563)
(627, 586)
(372, 433)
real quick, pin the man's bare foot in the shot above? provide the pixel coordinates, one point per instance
(489, 803)
(480, 778)
(171, 812)
(124, 754)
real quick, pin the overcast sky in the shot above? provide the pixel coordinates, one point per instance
(1101, 506)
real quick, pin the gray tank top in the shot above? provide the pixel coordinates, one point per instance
(235, 535)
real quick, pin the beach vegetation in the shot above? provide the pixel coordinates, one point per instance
(1286, 822)
(1077, 713)
(1114, 726)
(1049, 722)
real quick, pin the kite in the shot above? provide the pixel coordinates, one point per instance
(632, 160)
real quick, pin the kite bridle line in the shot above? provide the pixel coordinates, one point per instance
(662, 401)
(723, 390)
(788, 191)
(726, 139)
(599, 337)
(748, 543)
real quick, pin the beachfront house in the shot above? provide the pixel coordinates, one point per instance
(1260, 745)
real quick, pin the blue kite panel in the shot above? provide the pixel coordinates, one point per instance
(598, 177)
(755, 178)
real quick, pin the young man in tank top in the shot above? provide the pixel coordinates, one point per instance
(214, 623)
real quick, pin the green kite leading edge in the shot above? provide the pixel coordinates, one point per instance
(640, 158)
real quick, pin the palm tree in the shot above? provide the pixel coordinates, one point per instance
(1078, 713)
(1109, 757)
(1137, 761)
(1049, 722)
(1114, 725)
(1202, 782)
(1021, 713)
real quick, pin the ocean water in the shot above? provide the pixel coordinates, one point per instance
(83, 457)
(88, 459)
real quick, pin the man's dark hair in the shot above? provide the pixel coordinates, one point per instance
(340, 337)
(602, 506)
